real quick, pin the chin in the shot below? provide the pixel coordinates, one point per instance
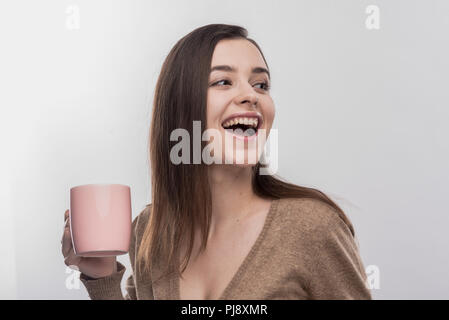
(241, 163)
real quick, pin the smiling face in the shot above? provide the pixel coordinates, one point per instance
(239, 105)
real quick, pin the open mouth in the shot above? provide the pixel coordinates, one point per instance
(245, 126)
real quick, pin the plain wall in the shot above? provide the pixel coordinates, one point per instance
(361, 115)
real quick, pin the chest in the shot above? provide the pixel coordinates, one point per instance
(210, 272)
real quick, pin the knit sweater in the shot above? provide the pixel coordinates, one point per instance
(304, 251)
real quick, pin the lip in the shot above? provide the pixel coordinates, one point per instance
(247, 115)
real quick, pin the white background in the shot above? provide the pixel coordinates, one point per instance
(361, 114)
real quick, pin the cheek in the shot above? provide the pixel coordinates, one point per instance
(270, 112)
(214, 111)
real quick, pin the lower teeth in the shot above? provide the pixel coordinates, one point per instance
(250, 132)
(246, 133)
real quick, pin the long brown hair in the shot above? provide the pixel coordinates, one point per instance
(181, 198)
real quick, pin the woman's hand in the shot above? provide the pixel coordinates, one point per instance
(93, 267)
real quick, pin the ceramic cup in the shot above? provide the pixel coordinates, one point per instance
(100, 219)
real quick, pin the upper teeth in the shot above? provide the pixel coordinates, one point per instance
(247, 121)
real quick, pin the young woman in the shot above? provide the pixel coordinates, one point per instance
(223, 230)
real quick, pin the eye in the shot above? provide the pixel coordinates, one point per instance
(215, 83)
(265, 84)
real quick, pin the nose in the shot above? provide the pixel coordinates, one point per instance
(250, 99)
(247, 95)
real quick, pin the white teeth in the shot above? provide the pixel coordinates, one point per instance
(246, 121)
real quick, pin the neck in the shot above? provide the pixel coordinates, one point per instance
(232, 194)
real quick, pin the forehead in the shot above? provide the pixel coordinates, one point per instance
(238, 52)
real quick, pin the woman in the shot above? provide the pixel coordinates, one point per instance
(221, 229)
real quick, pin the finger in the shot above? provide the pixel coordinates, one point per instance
(66, 242)
(67, 223)
(66, 217)
(72, 259)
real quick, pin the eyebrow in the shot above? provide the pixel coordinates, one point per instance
(231, 69)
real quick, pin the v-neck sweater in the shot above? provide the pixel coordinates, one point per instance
(304, 251)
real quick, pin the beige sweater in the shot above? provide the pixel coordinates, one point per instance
(305, 251)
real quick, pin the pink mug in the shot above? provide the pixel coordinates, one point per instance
(100, 219)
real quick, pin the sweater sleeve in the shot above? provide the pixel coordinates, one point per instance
(337, 271)
(108, 288)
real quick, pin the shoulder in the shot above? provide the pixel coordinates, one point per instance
(311, 217)
(308, 211)
(324, 250)
(315, 231)
(141, 220)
